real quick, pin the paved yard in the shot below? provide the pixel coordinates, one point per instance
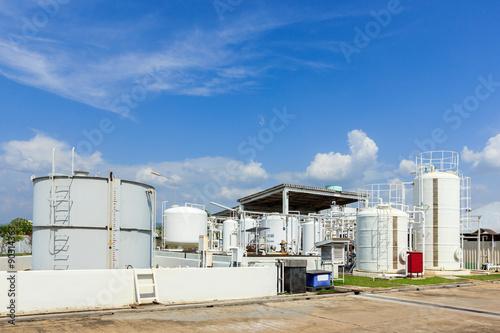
(465, 309)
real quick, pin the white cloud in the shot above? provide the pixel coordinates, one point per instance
(406, 167)
(236, 193)
(359, 164)
(200, 179)
(35, 155)
(199, 62)
(487, 160)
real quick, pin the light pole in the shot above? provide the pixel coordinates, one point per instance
(175, 183)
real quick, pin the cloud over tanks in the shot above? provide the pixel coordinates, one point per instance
(213, 177)
(358, 164)
(487, 160)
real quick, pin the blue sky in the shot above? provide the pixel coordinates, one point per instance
(230, 97)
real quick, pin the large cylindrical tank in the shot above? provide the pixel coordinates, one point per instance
(229, 234)
(311, 236)
(183, 226)
(277, 230)
(382, 240)
(91, 223)
(282, 229)
(438, 195)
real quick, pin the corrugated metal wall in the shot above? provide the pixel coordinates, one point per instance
(489, 253)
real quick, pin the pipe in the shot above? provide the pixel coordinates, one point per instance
(53, 161)
(423, 235)
(478, 242)
(73, 162)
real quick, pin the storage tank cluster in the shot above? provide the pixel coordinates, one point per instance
(382, 231)
(82, 222)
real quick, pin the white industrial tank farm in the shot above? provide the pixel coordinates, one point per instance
(84, 222)
(183, 226)
(437, 193)
(382, 239)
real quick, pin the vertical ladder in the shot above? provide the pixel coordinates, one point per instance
(146, 290)
(382, 246)
(61, 208)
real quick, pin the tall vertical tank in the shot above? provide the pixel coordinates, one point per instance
(292, 232)
(311, 234)
(246, 237)
(84, 222)
(229, 234)
(183, 226)
(382, 239)
(436, 191)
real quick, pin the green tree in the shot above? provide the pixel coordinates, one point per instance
(15, 232)
(159, 231)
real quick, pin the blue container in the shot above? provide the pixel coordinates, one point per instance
(318, 278)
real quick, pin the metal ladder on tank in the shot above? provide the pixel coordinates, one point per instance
(146, 290)
(382, 246)
(60, 203)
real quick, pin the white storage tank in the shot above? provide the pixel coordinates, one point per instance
(277, 230)
(245, 236)
(292, 232)
(183, 226)
(84, 222)
(282, 228)
(229, 234)
(311, 235)
(438, 195)
(382, 240)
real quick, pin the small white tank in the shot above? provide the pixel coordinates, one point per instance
(183, 226)
(382, 240)
(292, 231)
(229, 234)
(246, 224)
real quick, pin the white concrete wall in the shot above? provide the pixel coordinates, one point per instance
(206, 284)
(47, 291)
(23, 246)
(21, 263)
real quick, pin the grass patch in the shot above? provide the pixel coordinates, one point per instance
(482, 277)
(379, 283)
(16, 254)
(367, 282)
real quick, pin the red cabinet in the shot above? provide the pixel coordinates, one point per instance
(415, 262)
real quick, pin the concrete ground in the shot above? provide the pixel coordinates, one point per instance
(465, 309)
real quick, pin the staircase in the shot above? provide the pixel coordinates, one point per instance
(146, 290)
(382, 246)
(60, 205)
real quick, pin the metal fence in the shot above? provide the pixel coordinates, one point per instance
(490, 253)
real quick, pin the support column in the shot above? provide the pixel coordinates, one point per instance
(285, 201)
